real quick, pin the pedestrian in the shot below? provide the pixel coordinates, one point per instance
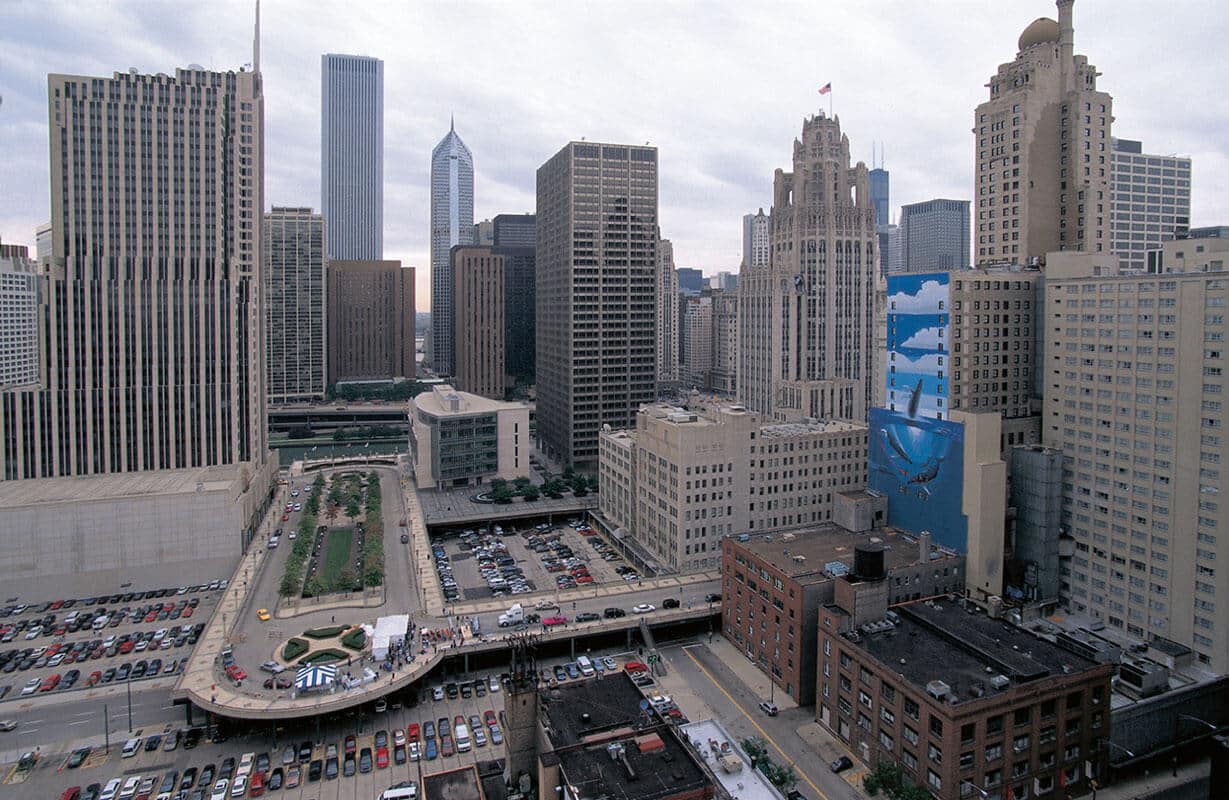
(333, 618)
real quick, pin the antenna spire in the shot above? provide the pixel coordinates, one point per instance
(256, 41)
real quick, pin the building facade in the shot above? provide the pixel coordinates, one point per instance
(724, 379)
(1190, 255)
(461, 439)
(691, 280)
(1151, 201)
(296, 305)
(452, 223)
(596, 294)
(478, 317)
(20, 290)
(697, 325)
(352, 155)
(371, 320)
(934, 236)
(756, 239)
(520, 312)
(1135, 377)
(515, 230)
(668, 333)
(1042, 151)
(807, 320)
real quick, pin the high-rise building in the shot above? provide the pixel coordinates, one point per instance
(19, 317)
(724, 281)
(452, 223)
(697, 325)
(42, 239)
(880, 188)
(934, 236)
(756, 239)
(1151, 201)
(596, 294)
(725, 341)
(515, 237)
(484, 233)
(515, 230)
(352, 155)
(668, 338)
(478, 317)
(806, 321)
(1042, 151)
(691, 280)
(1142, 434)
(296, 302)
(371, 320)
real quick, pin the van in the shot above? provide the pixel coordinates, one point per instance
(408, 791)
(462, 736)
(585, 666)
(131, 747)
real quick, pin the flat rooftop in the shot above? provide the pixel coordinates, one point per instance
(727, 761)
(437, 402)
(457, 784)
(825, 544)
(782, 429)
(14, 494)
(967, 651)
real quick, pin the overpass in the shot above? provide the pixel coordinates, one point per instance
(328, 417)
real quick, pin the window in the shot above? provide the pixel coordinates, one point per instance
(885, 740)
(968, 732)
(887, 692)
(908, 759)
(911, 708)
(887, 716)
(933, 779)
(993, 752)
(1020, 743)
(936, 726)
(936, 755)
(1023, 716)
(994, 725)
(910, 735)
(966, 759)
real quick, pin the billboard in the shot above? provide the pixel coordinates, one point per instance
(918, 344)
(917, 463)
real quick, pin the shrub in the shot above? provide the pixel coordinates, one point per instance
(327, 656)
(327, 632)
(293, 649)
(355, 639)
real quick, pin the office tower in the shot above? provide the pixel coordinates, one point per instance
(19, 316)
(697, 324)
(1151, 201)
(756, 239)
(934, 236)
(596, 294)
(1043, 156)
(691, 280)
(880, 194)
(371, 321)
(515, 230)
(807, 321)
(725, 341)
(42, 240)
(484, 233)
(462, 439)
(724, 281)
(296, 301)
(520, 311)
(1142, 434)
(478, 317)
(452, 223)
(668, 338)
(352, 155)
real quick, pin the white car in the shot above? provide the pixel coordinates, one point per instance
(219, 789)
(415, 751)
(240, 787)
(130, 787)
(437, 693)
(111, 789)
(493, 684)
(292, 535)
(7, 725)
(245, 765)
(643, 608)
(31, 687)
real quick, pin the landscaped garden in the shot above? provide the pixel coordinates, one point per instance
(324, 645)
(328, 559)
(503, 491)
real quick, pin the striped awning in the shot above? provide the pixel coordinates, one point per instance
(314, 677)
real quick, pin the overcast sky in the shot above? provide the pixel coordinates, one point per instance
(720, 88)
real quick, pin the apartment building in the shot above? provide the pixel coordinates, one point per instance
(724, 376)
(668, 332)
(371, 320)
(20, 364)
(295, 272)
(478, 318)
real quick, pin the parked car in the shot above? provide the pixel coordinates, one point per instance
(841, 764)
(769, 708)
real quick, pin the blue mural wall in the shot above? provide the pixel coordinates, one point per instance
(918, 464)
(919, 344)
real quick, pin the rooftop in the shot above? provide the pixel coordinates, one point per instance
(728, 763)
(782, 429)
(457, 784)
(963, 655)
(443, 400)
(804, 554)
(15, 494)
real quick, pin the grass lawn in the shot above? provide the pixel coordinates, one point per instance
(336, 554)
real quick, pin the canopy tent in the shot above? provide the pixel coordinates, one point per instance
(308, 678)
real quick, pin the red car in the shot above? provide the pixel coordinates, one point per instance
(551, 622)
(412, 731)
(127, 646)
(235, 674)
(635, 666)
(584, 579)
(381, 758)
(50, 682)
(187, 612)
(489, 718)
(94, 678)
(351, 745)
(446, 747)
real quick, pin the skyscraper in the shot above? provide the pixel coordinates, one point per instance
(352, 155)
(934, 236)
(755, 239)
(880, 181)
(597, 294)
(515, 230)
(1042, 151)
(725, 340)
(371, 320)
(19, 318)
(452, 223)
(478, 314)
(1151, 201)
(296, 299)
(806, 323)
(667, 317)
(691, 280)
(697, 324)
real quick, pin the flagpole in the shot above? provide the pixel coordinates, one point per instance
(833, 117)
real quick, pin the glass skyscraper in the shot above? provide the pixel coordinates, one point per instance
(452, 223)
(352, 155)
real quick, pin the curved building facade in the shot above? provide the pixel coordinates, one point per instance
(452, 223)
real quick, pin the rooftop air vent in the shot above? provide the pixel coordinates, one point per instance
(937, 689)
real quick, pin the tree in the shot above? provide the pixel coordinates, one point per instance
(568, 472)
(352, 507)
(530, 493)
(521, 482)
(374, 576)
(889, 777)
(346, 580)
(503, 493)
(755, 748)
(316, 586)
(580, 485)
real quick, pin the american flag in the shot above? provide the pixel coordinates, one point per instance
(826, 88)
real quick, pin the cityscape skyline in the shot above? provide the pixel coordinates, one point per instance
(707, 183)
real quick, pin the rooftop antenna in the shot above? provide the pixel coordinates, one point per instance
(256, 41)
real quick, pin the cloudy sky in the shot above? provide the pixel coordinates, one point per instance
(720, 88)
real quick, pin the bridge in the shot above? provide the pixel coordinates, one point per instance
(328, 417)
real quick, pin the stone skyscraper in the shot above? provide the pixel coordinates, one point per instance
(452, 223)
(296, 301)
(806, 321)
(755, 239)
(1042, 151)
(352, 155)
(597, 294)
(667, 317)
(1152, 201)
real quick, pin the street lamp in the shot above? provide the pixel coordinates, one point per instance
(966, 782)
(1173, 759)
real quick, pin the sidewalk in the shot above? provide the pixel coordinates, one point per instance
(1159, 783)
(748, 673)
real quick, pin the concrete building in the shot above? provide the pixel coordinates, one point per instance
(371, 320)
(1042, 151)
(756, 239)
(807, 319)
(1036, 496)
(514, 230)
(673, 487)
(724, 377)
(1190, 255)
(1140, 423)
(452, 223)
(91, 446)
(963, 703)
(934, 236)
(773, 587)
(484, 233)
(691, 280)
(461, 439)
(668, 304)
(478, 319)
(42, 242)
(1151, 201)
(352, 155)
(20, 311)
(596, 293)
(296, 305)
(723, 281)
(697, 326)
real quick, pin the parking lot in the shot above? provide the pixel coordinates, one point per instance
(65, 644)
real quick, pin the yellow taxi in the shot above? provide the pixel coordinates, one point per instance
(263, 614)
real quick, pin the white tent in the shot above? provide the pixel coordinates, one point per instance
(308, 678)
(389, 631)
